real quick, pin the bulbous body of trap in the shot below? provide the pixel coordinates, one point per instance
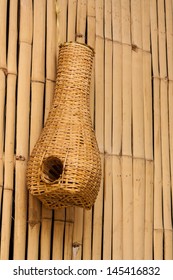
(65, 168)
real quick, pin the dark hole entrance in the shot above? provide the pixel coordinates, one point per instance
(51, 169)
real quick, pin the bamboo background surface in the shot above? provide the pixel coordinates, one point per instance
(131, 108)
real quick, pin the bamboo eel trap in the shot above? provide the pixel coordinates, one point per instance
(65, 168)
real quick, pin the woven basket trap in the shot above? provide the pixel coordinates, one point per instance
(64, 168)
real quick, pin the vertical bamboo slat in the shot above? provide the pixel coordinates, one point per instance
(10, 131)
(158, 223)
(127, 179)
(23, 99)
(37, 94)
(3, 18)
(91, 28)
(107, 226)
(167, 220)
(59, 215)
(72, 7)
(99, 127)
(117, 217)
(78, 220)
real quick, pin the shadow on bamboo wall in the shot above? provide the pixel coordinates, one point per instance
(130, 100)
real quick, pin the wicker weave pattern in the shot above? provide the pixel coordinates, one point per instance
(65, 168)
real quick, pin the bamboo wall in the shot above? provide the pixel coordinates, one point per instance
(131, 108)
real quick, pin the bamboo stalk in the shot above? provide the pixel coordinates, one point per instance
(136, 24)
(154, 37)
(46, 224)
(145, 9)
(99, 128)
(59, 215)
(116, 21)
(2, 104)
(37, 95)
(3, 25)
(127, 174)
(69, 234)
(167, 220)
(117, 109)
(107, 227)
(149, 214)
(108, 204)
(91, 38)
(72, 8)
(171, 133)
(158, 222)
(139, 207)
(62, 6)
(127, 101)
(167, 210)
(78, 221)
(147, 92)
(3, 16)
(91, 30)
(10, 131)
(161, 39)
(137, 104)
(117, 239)
(98, 221)
(125, 19)
(58, 235)
(22, 128)
(169, 32)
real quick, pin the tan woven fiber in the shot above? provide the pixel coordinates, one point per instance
(64, 168)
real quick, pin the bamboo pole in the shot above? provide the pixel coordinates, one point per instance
(3, 26)
(3, 18)
(23, 103)
(167, 221)
(117, 212)
(68, 239)
(127, 178)
(37, 96)
(126, 100)
(169, 32)
(107, 226)
(158, 219)
(158, 223)
(139, 207)
(49, 90)
(167, 210)
(59, 215)
(91, 30)
(2, 104)
(72, 8)
(10, 132)
(116, 21)
(149, 214)
(99, 128)
(78, 221)
(171, 133)
(145, 7)
(125, 20)
(117, 240)
(58, 235)
(138, 130)
(51, 40)
(148, 141)
(169, 37)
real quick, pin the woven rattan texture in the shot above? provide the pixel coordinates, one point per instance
(64, 168)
